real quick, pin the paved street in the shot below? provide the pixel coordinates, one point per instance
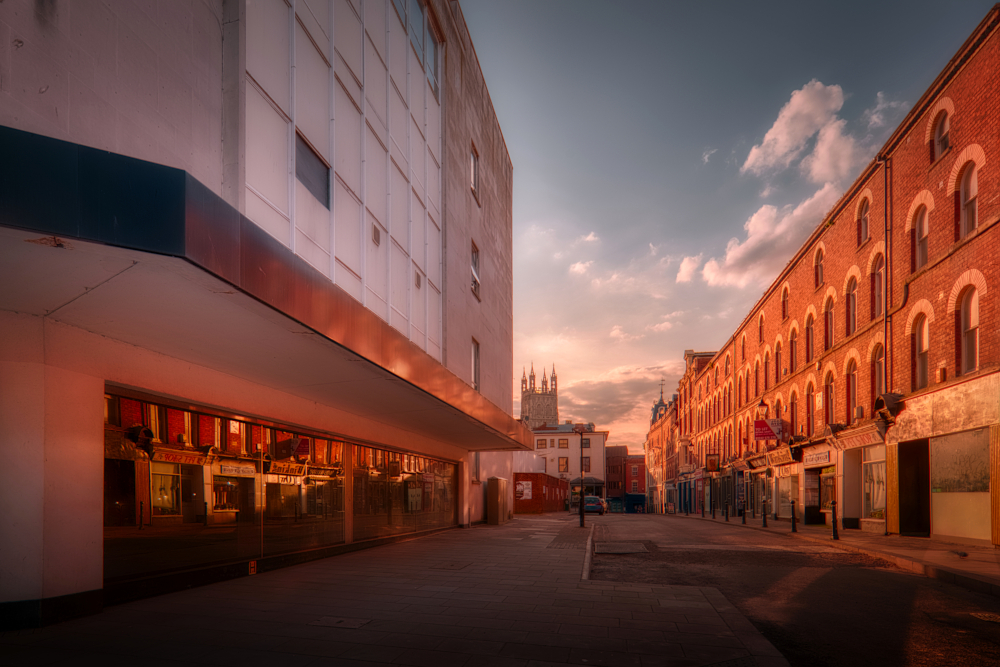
(819, 605)
(503, 596)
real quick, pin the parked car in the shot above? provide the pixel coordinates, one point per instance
(593, 504)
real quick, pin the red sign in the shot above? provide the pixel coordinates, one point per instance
(767, 429)
(179, 457)
(712, 462)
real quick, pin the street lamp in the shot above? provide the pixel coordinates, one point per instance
(580, 429)
(761, 414)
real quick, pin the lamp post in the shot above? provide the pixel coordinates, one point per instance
(762, 414)
(580, 429)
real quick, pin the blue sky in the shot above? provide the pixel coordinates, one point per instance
(669, 157)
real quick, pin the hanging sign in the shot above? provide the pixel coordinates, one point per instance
(767, 429)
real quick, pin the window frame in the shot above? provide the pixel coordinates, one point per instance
(921, 352)
(863, 221)
(968, 200)
(476, 365)
(921, 241)
(969, 320)
(851, 306)
(474, 261)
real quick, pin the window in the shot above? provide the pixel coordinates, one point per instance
(851, 306)
(851, 382)
(878, 294)
(635, 470)
(474, 473)
(828, 325)
(777, 363)
(635, 486)
(793, 416)
(760, 330)
(921, 348)
(475, 364)
(475, 270)
(586, 463)
(919, 238)
(563, 464)
(767, 371)
(873, 482)
(863, 222)
(810, 339)
(969, 192)
(828, 397)
(969, 315)
(810, 410)
(585, 443)
(941, 143)
(784, 304)
(818, 268)
(756, 380)
(743, 349)
(793, 352)
(540, 443)
(312, 171)
(165, 488)
(563, 443)
(727, 366)
(474, 171)
(878, 373)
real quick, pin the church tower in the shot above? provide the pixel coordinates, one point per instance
(539, 405)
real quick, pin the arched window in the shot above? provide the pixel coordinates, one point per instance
(727, 366)
(851, 382)
(784, 304)
(940, 142)
(739, 391)
(777, 363)
(760, 329)
(969, 193)
(921, 351)
(918, 236)
(793, 416)
(756, 380)
(878, 372)
(878, 293)
(828, 325)
(743, 349)
(767, 371)
(863, 222)
(851, 306)
(828, 396)
(969, 322)
(793, 356)
(818, 268)
(810, 410)
(810, 339)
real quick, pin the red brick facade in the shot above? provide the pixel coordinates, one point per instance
(547, 493)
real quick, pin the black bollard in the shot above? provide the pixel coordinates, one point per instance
(702, 509)
(743, 506)
(713, 510)
(794, 529)
(833, 515)
(725, 511)
(763, 512)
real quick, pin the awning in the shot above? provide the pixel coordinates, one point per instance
(145, 254)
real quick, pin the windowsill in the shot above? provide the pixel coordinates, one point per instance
(475, 193)
(819, 287)
(476, 294)
(865, 242)
(939, 158)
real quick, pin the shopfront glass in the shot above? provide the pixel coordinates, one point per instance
(873, 482)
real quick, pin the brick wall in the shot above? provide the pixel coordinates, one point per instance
(548, 493)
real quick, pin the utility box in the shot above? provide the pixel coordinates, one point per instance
(497, 505)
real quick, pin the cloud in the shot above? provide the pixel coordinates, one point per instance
(810, 109)
(687, 269)
(773, 234)
(707, 154)
(662, 326)
(580, 268)
(836, 156)
(589, 238)
(884, 110)
(619, 334)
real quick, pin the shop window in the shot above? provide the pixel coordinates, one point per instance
(969, 320)
(165, 488)
(827, 487)
(112, 411)
(873, 482)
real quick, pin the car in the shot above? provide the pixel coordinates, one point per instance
(593, 504)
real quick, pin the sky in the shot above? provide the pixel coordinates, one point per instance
(670, 157)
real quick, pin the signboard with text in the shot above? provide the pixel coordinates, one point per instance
(767, 429)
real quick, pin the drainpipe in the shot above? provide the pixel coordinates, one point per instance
(886, 281)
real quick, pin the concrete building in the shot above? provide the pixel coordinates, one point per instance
(238, 328)
(539, 403)
(864, 383)
(564, 449)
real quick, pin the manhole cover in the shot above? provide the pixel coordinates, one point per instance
(336, 622)
(987, 616)
(619, 548)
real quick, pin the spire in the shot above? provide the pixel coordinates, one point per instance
(531, 377)
(545, 382)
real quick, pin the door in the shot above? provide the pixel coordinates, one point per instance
(119, 493)
(914, 489)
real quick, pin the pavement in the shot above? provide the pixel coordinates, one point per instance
(971, 566)
(515, 595)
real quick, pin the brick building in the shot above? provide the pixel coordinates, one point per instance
(536, 493)
(866, 375)
(661, 454)
(236, 246)
(617, 457)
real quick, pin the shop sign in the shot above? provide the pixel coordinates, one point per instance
(815, 458)
(698, 473)
(179, 457)
(758, 461)
(767, 429)
(780, 456)
(785, 470)
(522, 490)
(859, 438)
(296, 469)
(238, 469)
(740, 464)
(712, 463)
(287, 479)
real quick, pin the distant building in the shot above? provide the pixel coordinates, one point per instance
(562, 449)
(617, 456)
(539, 403)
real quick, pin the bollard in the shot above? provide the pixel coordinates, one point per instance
(833, 515)
(725, 511)
(703, 509)
(206, 513)
(794, 529)
(763, 512)
(743, 506)
(713, 511)
(141, 503)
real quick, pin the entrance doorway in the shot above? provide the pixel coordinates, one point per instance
(119, 493)
(914, 489)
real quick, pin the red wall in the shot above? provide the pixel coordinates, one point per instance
(548, 493)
